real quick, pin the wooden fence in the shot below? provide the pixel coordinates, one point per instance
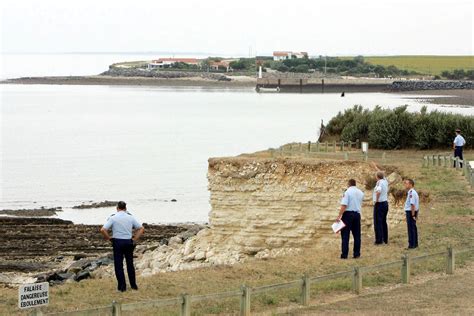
(321, 146)
(449, 161)
(184, 302)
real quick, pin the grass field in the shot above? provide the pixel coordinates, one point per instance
(431, 65)
(447, 219)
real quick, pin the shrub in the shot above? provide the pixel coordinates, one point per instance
(397, 128)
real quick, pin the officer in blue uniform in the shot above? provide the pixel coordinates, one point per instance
(380, 198)
(122, 224)
(412, 206)
(351, 205)
(458, 145)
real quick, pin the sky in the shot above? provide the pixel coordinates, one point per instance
(332, 27)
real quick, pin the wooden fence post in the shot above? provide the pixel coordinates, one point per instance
(305, 290)
(116, 309)
(309, 146)
(458, 165)
(439, 160)
(366, 156)
(346, 155)
(406, 269)
(349, 145)
(342, 145)
(317, 146)
(357, 280)
(245, 301)
(445, 161)
(326, 146)
(433, 157)
(450, 265)
(334, 146)
(357, 144)
(185, 305)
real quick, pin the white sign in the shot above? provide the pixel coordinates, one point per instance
(365, 147)
(33, 295)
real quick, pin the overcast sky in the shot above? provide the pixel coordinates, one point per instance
(332, 27)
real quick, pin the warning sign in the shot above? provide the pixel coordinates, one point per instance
(33, 295)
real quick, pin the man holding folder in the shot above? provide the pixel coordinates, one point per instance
(351, 205)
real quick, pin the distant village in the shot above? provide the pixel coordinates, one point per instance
(217, 64)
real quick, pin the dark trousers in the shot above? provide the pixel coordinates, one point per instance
(124, 248)
(380, 222)
(412, 230)
(458, 153)
(352, 221)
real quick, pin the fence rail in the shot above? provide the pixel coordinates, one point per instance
(449, 161)
(245, 293)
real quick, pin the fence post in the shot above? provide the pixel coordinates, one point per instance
(301, 147)
(357, 280)
(245, 301)
(439, 160)
(350, 145)
(357, 144)
(309, 146)
(317, 146)
(445, 161)
(450, 266)
(326, 146)
(185, 305)
(406, 269)
(305, 291)
(346, 155)
(35, 312)
(335, 146)
(434, 164)
(116, 309)
(366, 156)
(342, 145)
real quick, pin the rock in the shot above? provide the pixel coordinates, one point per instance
(408, 85)
(66, 276)
(82, 275)
(200, 256)
(175, 241)
(79, 256)
(394, 178)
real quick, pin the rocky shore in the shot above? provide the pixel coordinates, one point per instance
(56, 250)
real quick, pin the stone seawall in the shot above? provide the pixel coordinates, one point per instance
(140, 72)
(411, 85)
(266, 207)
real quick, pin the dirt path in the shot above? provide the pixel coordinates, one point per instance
(432, 294)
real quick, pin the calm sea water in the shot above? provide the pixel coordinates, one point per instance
(64, 145)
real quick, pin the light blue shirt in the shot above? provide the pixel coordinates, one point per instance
(352, 198)
(412, 198)
(382, 188)
(459, 141)
(122, 224)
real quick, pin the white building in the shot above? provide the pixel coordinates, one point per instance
(282, 55)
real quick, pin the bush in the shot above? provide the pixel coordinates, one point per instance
(397, 128)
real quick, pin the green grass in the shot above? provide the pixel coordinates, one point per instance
(431, 65)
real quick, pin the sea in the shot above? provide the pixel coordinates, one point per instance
(64, 145)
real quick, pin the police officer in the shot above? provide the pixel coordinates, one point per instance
(122, 224)
(458, 145)
(412, 206)
(351, 205)
(380, 198)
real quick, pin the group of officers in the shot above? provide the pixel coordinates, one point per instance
(123, 224)
(351, 205)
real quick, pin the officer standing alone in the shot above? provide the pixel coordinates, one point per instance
(122, 224)
(351, 205)
(458, 145)
(380, 198)
(412, 206)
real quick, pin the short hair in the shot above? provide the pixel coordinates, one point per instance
(458, 130)
(352, 182)
(380, 175)
(122, 205)
(411, 182)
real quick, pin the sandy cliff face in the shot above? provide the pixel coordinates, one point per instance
(266, 207)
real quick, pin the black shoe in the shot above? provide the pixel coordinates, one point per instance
(134, 288)
(378, 244)
(123, 290)
(343, 257)
(356, 257)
